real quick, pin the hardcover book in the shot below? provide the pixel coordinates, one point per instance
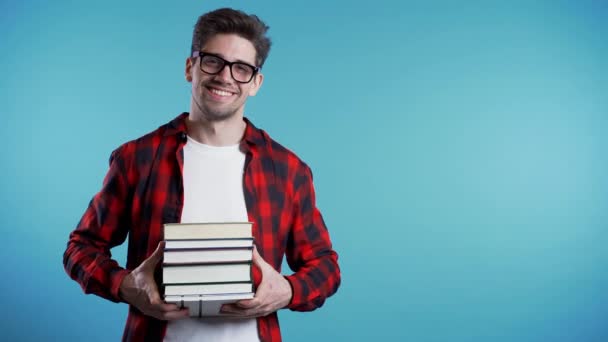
(206, 305)
(213, 230)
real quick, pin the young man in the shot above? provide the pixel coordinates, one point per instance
(209, 165)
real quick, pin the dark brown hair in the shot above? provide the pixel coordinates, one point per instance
(228, 20)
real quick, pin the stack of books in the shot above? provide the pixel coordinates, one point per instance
(206, 265)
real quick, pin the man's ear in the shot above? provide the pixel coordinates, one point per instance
(189, 65)
(258, 79)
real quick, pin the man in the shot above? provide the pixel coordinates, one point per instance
(211, 164)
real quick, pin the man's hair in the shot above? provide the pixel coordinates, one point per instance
(228, 20)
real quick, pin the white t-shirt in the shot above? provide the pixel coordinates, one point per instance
(213, 192)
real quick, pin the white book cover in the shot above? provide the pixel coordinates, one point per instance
(207, 289)
(210, 230)
(206, 305)
(214, 273)
(207, 256)
(208, 243)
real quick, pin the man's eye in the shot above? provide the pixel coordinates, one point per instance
(212, 61)
(242, 68)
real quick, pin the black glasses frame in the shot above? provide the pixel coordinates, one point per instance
(202, 54)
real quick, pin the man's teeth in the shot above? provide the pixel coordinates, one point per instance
(221, 92)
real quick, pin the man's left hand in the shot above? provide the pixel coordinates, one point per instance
(273, 293)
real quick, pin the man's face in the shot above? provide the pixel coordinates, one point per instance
(219, 96)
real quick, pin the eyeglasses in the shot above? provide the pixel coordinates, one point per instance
(213, 65)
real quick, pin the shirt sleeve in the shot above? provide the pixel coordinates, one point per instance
(309, 252)
(87, 258)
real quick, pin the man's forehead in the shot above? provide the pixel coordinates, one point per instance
(231, 47)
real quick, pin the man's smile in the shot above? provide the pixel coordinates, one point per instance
(218, 93)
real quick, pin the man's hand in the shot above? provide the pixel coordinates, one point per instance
(274, 293)
(139, 289)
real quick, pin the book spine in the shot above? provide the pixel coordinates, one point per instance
(204, 265)
(216, 263)
(194, 249)
(211, 239)
(209, 283)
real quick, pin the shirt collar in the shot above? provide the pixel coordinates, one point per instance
(252, 137)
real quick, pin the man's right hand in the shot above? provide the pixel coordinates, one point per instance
(139, 289)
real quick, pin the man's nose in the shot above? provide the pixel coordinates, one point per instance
(225, 74)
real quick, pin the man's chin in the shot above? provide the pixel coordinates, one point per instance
(219, 116)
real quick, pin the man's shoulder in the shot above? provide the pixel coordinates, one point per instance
(285, 160)
(145, 144)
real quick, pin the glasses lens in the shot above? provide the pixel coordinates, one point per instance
(242, 72)
(211, 64)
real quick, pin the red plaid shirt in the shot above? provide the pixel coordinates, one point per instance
(143, 189)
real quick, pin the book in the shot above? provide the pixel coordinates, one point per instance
(203, 256)
(206, 265)
(207, 289)
(210, 273)
(208, 243)
(206, 305)
(212, 230)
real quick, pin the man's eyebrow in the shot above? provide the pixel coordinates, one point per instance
(237, 60)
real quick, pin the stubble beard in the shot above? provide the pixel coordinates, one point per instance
(217, 114)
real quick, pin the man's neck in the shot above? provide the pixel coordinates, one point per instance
(216, 133)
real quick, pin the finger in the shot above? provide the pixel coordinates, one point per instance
(173, 315)
(248, 303)
(154, 258)
(236, 312)
(161, 311)
(233, 310)
(167, 307)
(243, 313)
(229, 308)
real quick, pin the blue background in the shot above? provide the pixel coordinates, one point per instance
(459, 153)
